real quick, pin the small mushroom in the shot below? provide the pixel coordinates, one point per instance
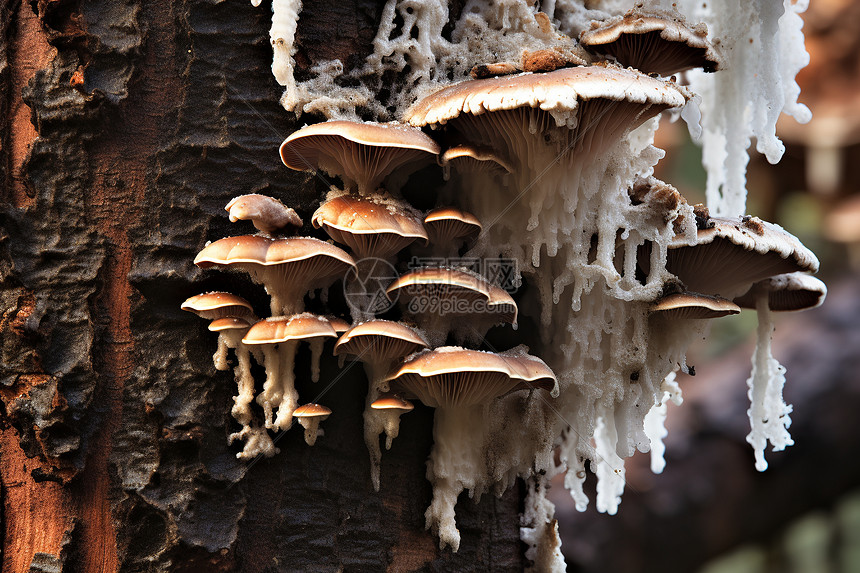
(733, 253)
(693, 306)
(214, 305)
(379, 344)
(653, 43)
(310, 416)
(445, 300)
(448, 227)
(372, 226)
(266, 213)
(279, 338)
(391, 407)
(288, 268)
(788, 292)
(362, 154)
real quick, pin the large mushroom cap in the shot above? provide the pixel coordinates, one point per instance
(371, 226)
(364, 153)
(456, 292)
(287, 267)
(736, 252)
(685, 306)
(379, 339)
(788, 292)
(214, 305)
(277, 329)
(653, 43)
(452, 376)
(447, 224)
(266, 213)
(599, 103)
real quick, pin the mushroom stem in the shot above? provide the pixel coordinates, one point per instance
(312, 429)
(375, 420)
(241, 410)
(768, 413)
(289, 397)
(220, 356)
(316, 345)
(270, 397)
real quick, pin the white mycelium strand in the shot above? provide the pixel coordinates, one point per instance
(768, 413)
(655, 421)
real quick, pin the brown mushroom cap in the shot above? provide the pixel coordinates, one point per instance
(444, 285)
(447, 225)
(390, 401)
(364, 153)
(339, 324)
(653, 43)
(736, 252)
(452, 376)
(378, 340)
(266, 213)
(287, 267)
(228, 323)
(214, 305)
(371, 226)
(469, 157)
(686, 306)
(277, 329)
(788, 292)
(311, 411)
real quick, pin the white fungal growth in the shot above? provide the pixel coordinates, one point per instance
(768, 413)
(279, 397)
(316, 345)
(285, 17)
(609, 465)
(257, 443)
(312, 429)
(762, 44)
(539, 529)
(655, 420)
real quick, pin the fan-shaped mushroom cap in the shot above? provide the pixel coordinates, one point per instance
(214, 305)
(287, 267)
(788, 292)
(392, 402)
(599, 104)
(453, 376)
(266, 213)
(447, 224)
(736, 252)
(686, 306)
(653, 43)
(455, 292)
(364, 153)
(277, 329)
(379, 340)
(371, 226)
(472, 157)
(229, 323)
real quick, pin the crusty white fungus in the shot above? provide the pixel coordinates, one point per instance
(656, 418)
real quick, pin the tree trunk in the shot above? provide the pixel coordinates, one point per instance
(127, 126)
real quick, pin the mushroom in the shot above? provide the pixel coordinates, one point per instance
(448, 227)
(654, 42)
(310, 416)
(461, 384)
(788, 292)
(372, 226)
(379, 344)
(279, 337)
(391, 407)
(362, 154)
(693, 306)
(730, 254)
(288, 268)
(440, 298)
(222, 305)
(266, 213)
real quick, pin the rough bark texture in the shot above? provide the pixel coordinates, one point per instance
(127, 126)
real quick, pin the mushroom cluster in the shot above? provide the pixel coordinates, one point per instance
(542, 119)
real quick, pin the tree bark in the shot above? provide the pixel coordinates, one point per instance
(127, 126)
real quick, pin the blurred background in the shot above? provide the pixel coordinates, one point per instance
(710, 511)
